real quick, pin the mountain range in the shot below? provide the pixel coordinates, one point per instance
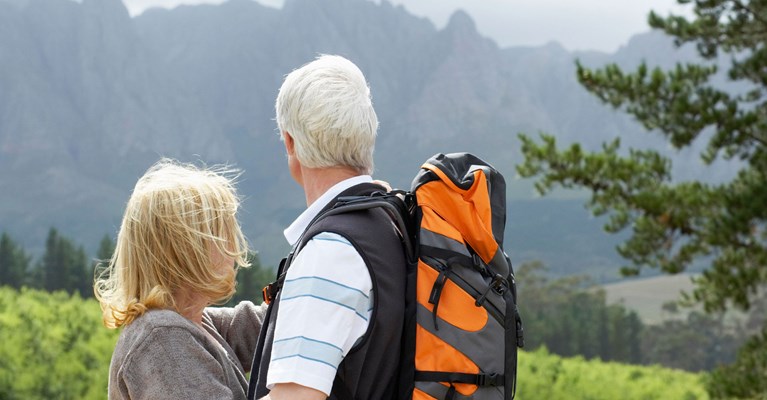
(90, 98)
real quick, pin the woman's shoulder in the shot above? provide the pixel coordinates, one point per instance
(154, 319)
(158, 324)
(149, 336)
(161, 348)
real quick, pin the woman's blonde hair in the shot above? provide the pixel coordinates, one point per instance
(177, 221)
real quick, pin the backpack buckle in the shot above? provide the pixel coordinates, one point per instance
(266, 293)
(269, 292)
(476, 261)
(499, 284)
(489, 380)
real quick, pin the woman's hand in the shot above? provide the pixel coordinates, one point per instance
(384, 184)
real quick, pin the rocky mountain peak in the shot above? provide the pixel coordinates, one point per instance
(461, 23)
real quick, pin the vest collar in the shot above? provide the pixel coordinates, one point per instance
(293, 232)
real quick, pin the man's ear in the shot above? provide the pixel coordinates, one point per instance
(289, 143)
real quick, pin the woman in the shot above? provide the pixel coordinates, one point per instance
(177, 252)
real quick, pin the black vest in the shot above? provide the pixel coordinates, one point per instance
(370, 370)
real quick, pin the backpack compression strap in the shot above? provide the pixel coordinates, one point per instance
(482, 380)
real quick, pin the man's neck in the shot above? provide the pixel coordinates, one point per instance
(317, 181)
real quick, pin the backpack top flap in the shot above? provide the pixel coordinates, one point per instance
(470, 195)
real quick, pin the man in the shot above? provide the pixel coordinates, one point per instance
(336, 325)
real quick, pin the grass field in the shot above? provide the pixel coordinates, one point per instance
(646, 296)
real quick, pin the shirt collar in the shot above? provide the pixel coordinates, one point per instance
(293, 232)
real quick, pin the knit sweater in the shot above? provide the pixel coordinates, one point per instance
(162, 355)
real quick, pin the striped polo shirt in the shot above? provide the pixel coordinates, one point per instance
(325, 303)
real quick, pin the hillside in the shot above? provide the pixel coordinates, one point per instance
(91, 97)
(647, 296)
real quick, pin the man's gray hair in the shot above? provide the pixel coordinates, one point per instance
(325, 106)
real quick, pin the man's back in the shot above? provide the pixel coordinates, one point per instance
(369, 369)
(326, 119)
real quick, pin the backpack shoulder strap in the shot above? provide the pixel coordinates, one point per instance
(398, 204)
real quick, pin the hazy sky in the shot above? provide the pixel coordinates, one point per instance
(577, 25)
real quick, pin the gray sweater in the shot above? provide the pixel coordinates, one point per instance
(162, 355)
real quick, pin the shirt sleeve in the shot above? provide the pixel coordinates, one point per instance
(172, 364)
(239, 326)
(325, 306)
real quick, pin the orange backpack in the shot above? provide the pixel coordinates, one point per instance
(462, 325)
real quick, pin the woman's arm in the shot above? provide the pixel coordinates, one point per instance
(239, 326)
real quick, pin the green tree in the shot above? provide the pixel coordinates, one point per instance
(624, 334)
(53, 346)
(677, 223)
(64, 266)
(701, 342)
(14, 262)
(251, 281)
(103, 257)
(106, 249)
(571, 318)
(744, 379)
(551, 377)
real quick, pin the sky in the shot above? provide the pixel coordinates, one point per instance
(602, 25)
